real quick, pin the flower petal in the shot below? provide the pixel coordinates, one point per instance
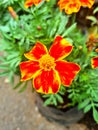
(29, 3)
(70, 6)
(28, 69)
(88, 3)
(94, 62)
(47, 82)
(67, 71)
(60, 48)
(36, 52)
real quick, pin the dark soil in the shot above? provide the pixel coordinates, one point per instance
(89, 121)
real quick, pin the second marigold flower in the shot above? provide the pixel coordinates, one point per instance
(94, 62)
(29, 3)
(73, 6)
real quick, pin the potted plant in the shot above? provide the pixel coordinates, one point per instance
(42, 42)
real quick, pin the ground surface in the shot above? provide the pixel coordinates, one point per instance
(19, 112)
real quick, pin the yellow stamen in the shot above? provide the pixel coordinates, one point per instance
(46, 62)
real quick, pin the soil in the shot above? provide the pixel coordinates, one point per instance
(89, 121)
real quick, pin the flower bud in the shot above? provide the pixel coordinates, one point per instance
(12, 12)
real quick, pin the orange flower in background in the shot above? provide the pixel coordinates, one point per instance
(47, 69)
(69, 6)
(73, 6)
(94, 62)
(29, 3)
(87, 3)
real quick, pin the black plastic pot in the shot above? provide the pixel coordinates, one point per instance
(70, 116)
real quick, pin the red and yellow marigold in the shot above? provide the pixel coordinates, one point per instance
(29, 3)
(47, 69)
(73, 6)
(94, 62)
(87, 3)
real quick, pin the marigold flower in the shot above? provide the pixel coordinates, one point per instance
(94, 62)
(69, 6)
(29, 3)
(87, 3)
(47, 69)
(73, 6)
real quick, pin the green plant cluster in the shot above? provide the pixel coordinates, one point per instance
(42, 23)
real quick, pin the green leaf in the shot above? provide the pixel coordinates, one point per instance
(5, 73)
(87, 108)
(17, 85)
(11, 76)
(84, 103)
(46, 95)
(15, 62)
(54, 28)
(64, 21)
(95, 115)
(13, 55)
(95, 10)
(23, 88)
(54, 101)
(47, 102)
(59, 98)
(92, 18)
(3, 67)
(69, 30)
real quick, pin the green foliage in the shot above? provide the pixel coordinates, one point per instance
(54, 99)
(69, 30)
(95, 114)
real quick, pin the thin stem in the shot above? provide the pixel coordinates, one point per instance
(73, 18)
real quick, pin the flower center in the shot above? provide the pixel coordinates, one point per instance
(46, 62)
